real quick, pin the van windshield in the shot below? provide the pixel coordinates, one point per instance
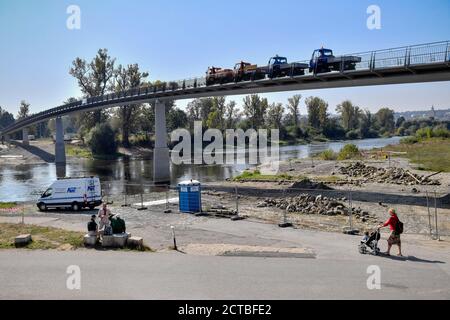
(47, 193)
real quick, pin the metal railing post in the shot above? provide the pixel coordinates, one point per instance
(142, 198)
(237, 200)
(429, 215)
(447, 53)
(350, 216)
(436, 217)
(167, 210)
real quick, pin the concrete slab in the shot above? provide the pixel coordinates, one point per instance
(22, 240)
(90, 241)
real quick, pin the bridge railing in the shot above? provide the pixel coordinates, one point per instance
(401, 57)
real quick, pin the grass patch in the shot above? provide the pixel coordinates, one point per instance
(77, 151)
(327, 155)
(43, 237)
(430, 155)
(328, 179)
(7, 205)
(256, 175)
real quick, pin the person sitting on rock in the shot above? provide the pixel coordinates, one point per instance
(118, 224)
(92, 226)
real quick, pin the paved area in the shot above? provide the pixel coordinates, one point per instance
(332, 269)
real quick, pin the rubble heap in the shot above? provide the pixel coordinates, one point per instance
(382, 175)
(310, 204)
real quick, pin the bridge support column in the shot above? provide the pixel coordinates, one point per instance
(161, 158)
(25, 139)
(7, 139)
(60, 149)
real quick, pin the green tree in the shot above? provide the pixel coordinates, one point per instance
(24, 110)
(275, 116)
(385, 120)
(367, 125)
(127, 78)
(232, 115)
(317, 112)
(216, 116)
(293, 106)
(6, 118)
(102, 140)
(255, 109)
(94, 79)
(350, 115)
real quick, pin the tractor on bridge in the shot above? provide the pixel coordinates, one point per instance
(279, 67)
(323, 61)
(218, 76)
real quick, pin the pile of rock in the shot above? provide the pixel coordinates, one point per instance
(308, 204)
(382, 175)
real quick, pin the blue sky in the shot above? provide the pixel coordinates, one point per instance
(180, 39)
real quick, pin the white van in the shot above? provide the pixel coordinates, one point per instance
(74, 193)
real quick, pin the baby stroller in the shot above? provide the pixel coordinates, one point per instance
(371, 244)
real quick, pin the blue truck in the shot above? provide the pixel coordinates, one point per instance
(279, 67)
(323, 60)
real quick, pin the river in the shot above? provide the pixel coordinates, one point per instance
(27, 182)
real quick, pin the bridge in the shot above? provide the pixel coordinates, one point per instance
(411, 64)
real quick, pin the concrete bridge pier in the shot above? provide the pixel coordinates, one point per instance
(161, 158)
(8, 139)
(25, 139)
(60, 149)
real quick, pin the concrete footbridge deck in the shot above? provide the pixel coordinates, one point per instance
(412, 64)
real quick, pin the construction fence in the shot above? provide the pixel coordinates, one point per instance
(423, 212)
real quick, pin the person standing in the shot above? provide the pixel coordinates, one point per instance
(394, 239)
(103, 215)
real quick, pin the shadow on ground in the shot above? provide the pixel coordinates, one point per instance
(44, 155)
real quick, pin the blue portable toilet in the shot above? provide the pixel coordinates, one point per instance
(190, 196)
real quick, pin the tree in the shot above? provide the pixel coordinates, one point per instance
(350, 115)
(6, 118)
(94, 79)
(102, 140)
(199, 110)
(367, 125)
(127, 78)
(254, 109)
(385, 120)
(317, 112)
(176, 118)
(400, 121)
(24, 110)
(275, 116)
(216, 117)
(232, 115)
(293, 107)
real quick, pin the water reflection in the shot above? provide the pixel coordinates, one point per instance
(26, 182)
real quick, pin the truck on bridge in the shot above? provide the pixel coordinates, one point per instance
(279, 67)
(323, 61)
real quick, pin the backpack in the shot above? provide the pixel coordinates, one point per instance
(399, 227)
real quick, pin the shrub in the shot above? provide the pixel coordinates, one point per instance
(409, 140)
(349, 151)
(328, 155)
(102, 140)
(353, 134)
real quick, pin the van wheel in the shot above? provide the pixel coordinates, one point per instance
(75, 206)
(42, 207)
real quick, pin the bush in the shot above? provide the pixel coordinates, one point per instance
(328, 155)
(349, 151)
(102, 140)
(141, 140)
(409, 140)
(353, 135)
